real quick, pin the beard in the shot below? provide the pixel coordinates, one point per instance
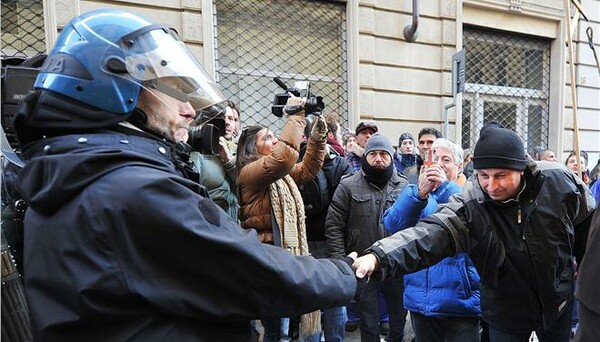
(377, 175)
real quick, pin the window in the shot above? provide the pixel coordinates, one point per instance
(23, 31)
(294, 40)
(9, 17)
(507, 80)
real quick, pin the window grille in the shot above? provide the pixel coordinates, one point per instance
(23, 33)
(294, 40)
(508, 81)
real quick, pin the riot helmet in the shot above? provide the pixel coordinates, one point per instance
(103, 58)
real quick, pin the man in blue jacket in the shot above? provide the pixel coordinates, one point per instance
(443, 299)
(122, 243)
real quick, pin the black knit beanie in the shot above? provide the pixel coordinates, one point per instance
(405, 136)
(499, 148)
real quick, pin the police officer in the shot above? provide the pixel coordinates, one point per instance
(120, 244)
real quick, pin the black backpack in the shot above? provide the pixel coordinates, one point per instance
(315, 195)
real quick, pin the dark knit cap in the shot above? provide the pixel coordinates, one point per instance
(499, 148)
(378, 142)
(405, 136)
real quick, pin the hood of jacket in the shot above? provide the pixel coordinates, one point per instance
(57, 169)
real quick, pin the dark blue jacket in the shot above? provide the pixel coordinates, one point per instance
(404, 161)
(121, 247)
(450, 288)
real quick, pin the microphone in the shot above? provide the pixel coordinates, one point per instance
(280, 83)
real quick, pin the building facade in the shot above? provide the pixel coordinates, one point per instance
(361, 57)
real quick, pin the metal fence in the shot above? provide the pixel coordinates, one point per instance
(508, 81)
(23, 33)
(294, 40)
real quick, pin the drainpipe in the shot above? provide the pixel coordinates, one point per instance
(410, 31)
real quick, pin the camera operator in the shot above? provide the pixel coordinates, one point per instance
(232, 126)
(120, 244)
(269, 198)
(215, 164)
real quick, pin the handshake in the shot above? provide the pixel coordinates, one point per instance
(363, 267)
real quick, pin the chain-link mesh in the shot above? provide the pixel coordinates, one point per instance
(23, 32)
(508, 81)
(294, 40)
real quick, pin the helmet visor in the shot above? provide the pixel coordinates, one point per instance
(156, 57)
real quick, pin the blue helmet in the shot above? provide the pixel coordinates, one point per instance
(104, 57)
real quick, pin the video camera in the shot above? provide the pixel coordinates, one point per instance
(18, 77)
(314, 104)
(204, 137)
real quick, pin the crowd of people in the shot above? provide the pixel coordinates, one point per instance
(154, 213)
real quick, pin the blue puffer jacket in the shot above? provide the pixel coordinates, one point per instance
(450, 288)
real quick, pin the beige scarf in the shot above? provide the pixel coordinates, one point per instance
(288, 209)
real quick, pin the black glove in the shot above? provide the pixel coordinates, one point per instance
(361, 284)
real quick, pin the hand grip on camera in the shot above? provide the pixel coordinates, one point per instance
(294, 105)
(319, 129)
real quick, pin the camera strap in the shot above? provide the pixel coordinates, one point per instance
(8, 152)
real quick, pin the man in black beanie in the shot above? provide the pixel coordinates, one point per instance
(354, 223)
(522, 222)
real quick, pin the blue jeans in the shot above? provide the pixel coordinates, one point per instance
(368, 308)
(333, 323)
(450, 329)
(557, 331)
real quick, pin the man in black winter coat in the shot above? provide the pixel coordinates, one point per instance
(522, 223)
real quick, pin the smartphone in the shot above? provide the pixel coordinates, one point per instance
(429, 157)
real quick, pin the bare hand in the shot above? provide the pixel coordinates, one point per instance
(424, 183)
(436, 173)
(365, 265)
(223, 150)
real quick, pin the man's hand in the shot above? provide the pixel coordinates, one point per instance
(430, 178)
(319, 129)
(365, 265)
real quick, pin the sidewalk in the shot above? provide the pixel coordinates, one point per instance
(354, 336)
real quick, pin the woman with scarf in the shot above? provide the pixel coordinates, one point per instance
(269, 198)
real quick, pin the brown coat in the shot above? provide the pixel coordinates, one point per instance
(255, 178)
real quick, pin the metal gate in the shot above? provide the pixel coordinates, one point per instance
(508, 81)
(295, 40)
(23, 33)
